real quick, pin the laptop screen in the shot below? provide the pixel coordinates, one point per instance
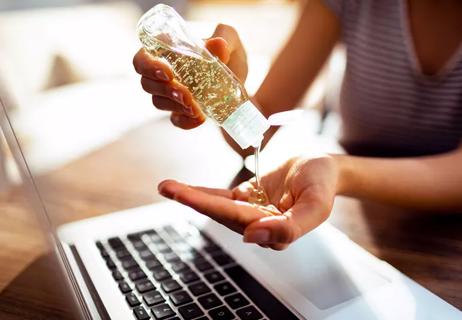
(99, 147)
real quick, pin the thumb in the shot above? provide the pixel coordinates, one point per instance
(302, 217)
(226, 45)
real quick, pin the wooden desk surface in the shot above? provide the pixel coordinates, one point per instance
(426, 247)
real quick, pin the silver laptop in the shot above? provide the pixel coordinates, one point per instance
(165, 261)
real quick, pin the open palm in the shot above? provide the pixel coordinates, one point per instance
(301, 194)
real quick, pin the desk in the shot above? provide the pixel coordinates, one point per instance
(123, 174)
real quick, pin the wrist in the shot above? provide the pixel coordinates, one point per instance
(345, 179)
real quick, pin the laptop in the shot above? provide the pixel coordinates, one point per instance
(165, 261)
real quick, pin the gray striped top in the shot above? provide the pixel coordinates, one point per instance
(388, 106)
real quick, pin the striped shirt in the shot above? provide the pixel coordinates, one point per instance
(387, 105)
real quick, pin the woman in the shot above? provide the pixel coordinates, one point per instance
(401, 108)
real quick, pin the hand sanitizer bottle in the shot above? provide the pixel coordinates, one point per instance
(220, 95)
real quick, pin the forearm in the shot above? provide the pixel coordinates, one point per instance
(299, 62)
(427, 183)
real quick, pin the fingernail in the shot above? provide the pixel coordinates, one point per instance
(161, 75)
(163, 191)
(177, 96)
(258, 236)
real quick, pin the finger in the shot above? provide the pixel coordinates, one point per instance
(172, 90)
(234, 214)
(159, 88)
(167, 104)
(217, 192)
(219, 47)
(278, 246)
(243, 191)
(179, 94)
(228, 34)
(287, 201)
(186, 122)
(272, 230)
(237, 61)
(151, 67)
(307, 213)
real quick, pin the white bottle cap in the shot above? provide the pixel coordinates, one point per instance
(246, 125)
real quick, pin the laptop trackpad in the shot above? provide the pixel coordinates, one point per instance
(322, 268)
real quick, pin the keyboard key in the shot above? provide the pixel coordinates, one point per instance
(163, 248)
(173, 234)
(258, 294)
(211, 247)
(190, 311)
(162, 311)
(148, 232)
(153, 297)
(110, 264)
(136, 274)
(141, 313)
(146, 254)
(221, 313)
(139, 245)
(203, 265)
(116, 243)
(160, 274)
(182, 247)
(236, 301)
(214, 276)
(224, 288)
(188, 276)
(249, 313)
(156, 238)
(191, 254)
(104, 253)
(209, 301)
(132, 300)
(170, 285)
(180, 297)
(178, 266)
(130, 264)
(144, 286)
(152, 264)
(124, 287)
(222, 259)
(134, 236)
(123, 254)
(117, 275)
(171, 256)
(199, 288)
(99, 245)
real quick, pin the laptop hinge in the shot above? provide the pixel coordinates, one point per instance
(95, 298)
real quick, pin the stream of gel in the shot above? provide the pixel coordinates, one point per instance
(258, 195)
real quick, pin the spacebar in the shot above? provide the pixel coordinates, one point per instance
(272, 307)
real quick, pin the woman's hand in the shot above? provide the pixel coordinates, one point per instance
(158, 79)
(302, 192)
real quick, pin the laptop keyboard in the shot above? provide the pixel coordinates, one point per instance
(181, 273)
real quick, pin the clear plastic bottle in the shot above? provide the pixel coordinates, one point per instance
(220, 95)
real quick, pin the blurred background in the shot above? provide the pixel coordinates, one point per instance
(71, 60)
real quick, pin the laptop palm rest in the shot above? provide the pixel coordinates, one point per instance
(322, 269)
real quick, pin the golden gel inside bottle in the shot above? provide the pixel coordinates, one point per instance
(219, 93)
